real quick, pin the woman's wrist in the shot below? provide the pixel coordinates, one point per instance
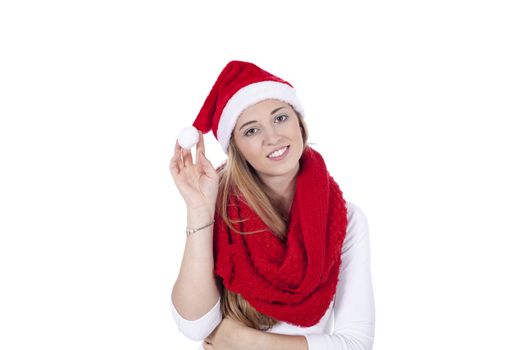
(198, 216)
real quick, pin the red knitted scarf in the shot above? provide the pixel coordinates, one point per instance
(293, 280)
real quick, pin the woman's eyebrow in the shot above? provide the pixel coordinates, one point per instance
(253, 121)
(242, 126)
(275, 110)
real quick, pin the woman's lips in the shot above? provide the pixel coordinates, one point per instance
(280, 156)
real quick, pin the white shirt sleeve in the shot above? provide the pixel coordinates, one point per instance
(354, 311)
(200, 328)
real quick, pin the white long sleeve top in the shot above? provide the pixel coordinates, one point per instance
(348, 323)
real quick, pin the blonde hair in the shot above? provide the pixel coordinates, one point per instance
(237, 176)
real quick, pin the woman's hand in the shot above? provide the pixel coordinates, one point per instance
(231, 335)
(198, 183)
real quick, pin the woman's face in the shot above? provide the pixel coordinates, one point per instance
(268, 136)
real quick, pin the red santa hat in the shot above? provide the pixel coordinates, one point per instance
(239, 86)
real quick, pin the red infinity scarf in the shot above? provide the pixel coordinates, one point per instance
(294, 280)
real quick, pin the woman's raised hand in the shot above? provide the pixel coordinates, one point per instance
(197, 182)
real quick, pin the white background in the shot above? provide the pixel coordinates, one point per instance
(417, 107)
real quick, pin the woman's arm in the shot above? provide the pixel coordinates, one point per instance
(200, 328)
(233, 335)
(195, 293)
(354, 310)
(272, 341)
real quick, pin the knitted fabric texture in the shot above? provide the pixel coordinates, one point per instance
(292, 280)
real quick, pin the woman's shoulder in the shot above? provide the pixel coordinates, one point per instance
(355, 213)
(357, 224)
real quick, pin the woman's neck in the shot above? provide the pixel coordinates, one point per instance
(281, 189)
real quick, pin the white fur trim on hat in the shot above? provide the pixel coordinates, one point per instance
(250, 95)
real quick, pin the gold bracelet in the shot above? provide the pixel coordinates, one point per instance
(189, 231)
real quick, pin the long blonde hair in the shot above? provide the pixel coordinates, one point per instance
(237, 176)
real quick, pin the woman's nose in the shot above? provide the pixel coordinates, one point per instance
(271, 136)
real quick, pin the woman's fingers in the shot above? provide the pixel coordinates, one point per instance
(200, 153)
(207, 343)
(207, 166)
(175, 160)
(180, 158)
(174, 165)
(177, 146)
(178, 153)
(183, 159)
(187, 159)
(200, 144)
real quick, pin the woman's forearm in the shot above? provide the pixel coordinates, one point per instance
(195, 291)
(272, 341)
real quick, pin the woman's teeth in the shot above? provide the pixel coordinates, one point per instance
(278, 153)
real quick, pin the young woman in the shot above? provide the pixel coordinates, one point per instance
(275, 258)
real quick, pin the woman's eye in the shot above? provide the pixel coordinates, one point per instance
(250, 132)
(281, 118)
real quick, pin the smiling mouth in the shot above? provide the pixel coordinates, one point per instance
(278, 153)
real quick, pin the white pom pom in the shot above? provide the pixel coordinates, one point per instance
(188, 137)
